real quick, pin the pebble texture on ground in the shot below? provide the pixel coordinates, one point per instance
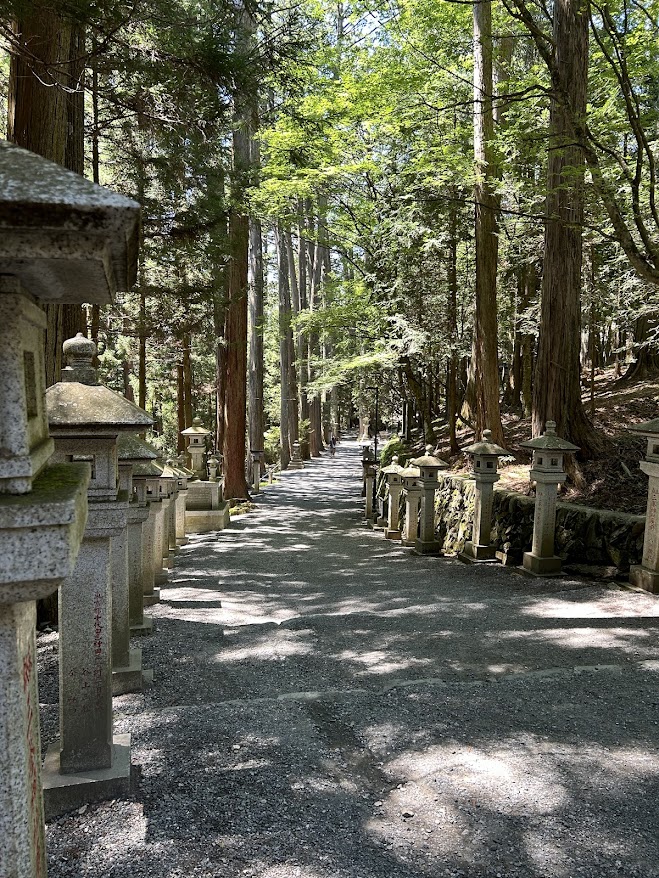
(328, 705)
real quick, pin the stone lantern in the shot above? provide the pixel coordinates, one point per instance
(429, 466)
(181, 476)
(296, 457)
(63, 240)
(392, 474)
(213, 467)
(370, 469)
(195, 437)
(137, 452)
(646, 574)
(547, 473)
(410, 481)
(88, 763)
(485, 456)
(147, 475)
(168, 489)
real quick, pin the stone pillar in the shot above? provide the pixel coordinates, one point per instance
(428, 466)
(88, 763)
(257, 458)
(646, 574)
(126, 662)
(394, 486)
(370, 472)
(547, 473)
(484, 455)
(138, 514)
(409, 477)
(152, 560)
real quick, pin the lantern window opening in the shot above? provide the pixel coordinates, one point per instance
(655, 449)
(554, 461)
(539, 461)
(478, 463)
(490, 464)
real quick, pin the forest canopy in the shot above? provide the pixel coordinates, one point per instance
(453, 203)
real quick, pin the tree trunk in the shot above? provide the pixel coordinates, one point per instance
(255, 306)
(557, 389)
(452, 320)
(284, 346)
(302, 342)
(180, 407)
(45, 117)
(485, 341)
(294, 310)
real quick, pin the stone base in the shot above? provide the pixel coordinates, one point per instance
(128, 678)
(182, 541)
(150, 599)
(538, 566)
(644, 578)
(66, 792)
(379, 523)
(475, 554)
(427, 548)
(409, 543)
(296, 464)
(512, 558)
(390, 534)
(203, 521)
(144, 629)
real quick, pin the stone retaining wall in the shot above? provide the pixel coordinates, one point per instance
(583, 535)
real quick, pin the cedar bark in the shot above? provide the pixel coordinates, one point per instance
(293, 310)
(256, 289)
(557, 390)
(302, 285)
(485, 342)
(47, 119)
(235, 405)
(284, 347)
(452, 315)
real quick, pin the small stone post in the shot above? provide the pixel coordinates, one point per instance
(181, 475)
(395, 486)
(257, 457)
(485, 455)
(213, 467)
(368, 465)
(195, 436)
(429, 466)
(646, 574)
(547, 473)
(410, 481)
(149, 472)
(88, 763)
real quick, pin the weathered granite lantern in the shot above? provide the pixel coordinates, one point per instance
(410, 481)
(646, 574)
(181, 476)
(547, 473)
(63, 240)
(137, 452)
(394, 485)
(168, 489)
(296, 457)
(485, 455)
(195, 437)
(147, 473)
(88, 763)
(213, 467)
(429, 466)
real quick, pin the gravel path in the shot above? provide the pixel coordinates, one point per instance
(328, 705)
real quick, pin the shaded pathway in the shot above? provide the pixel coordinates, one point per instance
(328, 704)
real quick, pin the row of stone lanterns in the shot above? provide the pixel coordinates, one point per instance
(419, 481)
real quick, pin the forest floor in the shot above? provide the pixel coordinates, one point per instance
(327, 704)
(612, 481)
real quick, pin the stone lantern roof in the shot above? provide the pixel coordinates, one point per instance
(393, 467)
(549, 441)
(429, 461)
(150, 469)
(197, 429)
(79, 404)
(486, 447)
(67, 239)
(647, 428)
(132, 448)
(410, 472)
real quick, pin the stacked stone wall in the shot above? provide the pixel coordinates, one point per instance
(583, 535)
